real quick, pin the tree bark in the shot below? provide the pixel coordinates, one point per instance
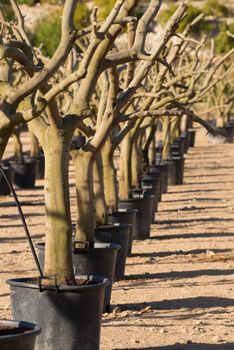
(34, 145)
(100, 204)
(18, 147)
(136, 160)
(84, 161)
(151, 152)
(175, 129)
(125, 167)
(109, 171)
(166, 139)
(5, 134)
(58, 253)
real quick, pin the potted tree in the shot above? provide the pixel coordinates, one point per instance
(58, 292)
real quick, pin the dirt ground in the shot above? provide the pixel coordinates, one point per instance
(178, 290)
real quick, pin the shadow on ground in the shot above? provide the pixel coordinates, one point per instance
(185, 303)
(193, 235)
(180, 274)
(195, 346)
(185, 221)
(179, 252)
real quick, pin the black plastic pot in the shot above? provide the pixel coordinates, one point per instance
(25, 173)
(163, 169)
(192, 133)
(153, 179)
(154, 191)
(230, 132)
(40, 173)
(125, 216)
(147, 192)
(179, 169)
(4, 188)
(70, 316)
(148, 183)
(144, 216)
(118, 234)
(18, 335)
(171, 171)
(99, 260)
(158, 154)
(185, 139)
(176, 148)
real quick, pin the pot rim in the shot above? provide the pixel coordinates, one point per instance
(32, 329)
(113, 226)
(25, 283)
(97, 246)
(150, 187)
(26, 161)
(127, 210)
(136, 199)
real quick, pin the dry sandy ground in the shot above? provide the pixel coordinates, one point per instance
(178, 290)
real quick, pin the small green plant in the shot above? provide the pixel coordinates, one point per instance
(208, 27)
(215, 8)
(48, 31)
(7, 10)
(192, 13)
(223, 42)
(105, 6)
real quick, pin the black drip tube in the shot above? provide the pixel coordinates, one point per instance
(23, 222)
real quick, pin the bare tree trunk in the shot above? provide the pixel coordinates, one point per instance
(85, 224)
(136, 161)
(100, 204)
(148, 150)
(58, 257)
(166, 139)
(125, 167)
(151, 152)
(174, 129)
(18, 150)
(34, 145)
(110, 188)
(219, 120)
(5, 134)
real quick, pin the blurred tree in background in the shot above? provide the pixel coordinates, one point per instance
(214, 24)
(48, 31)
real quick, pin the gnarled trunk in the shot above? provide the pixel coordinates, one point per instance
(5, 134)
(109, 171)
(34, 145)
(100, 204)
(85, 223)
(136, 158)
(58, 253)
(175, 129)
(125, 167)
(151, 152)
(166, 140)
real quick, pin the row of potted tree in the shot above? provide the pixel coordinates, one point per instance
(99, 103)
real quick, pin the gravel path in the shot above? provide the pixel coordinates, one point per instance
(178, 291)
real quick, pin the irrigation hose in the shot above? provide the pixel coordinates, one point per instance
(23, 221)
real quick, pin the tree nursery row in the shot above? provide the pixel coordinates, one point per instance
(118, 99)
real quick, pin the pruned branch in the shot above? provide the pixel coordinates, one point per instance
(67, 38)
